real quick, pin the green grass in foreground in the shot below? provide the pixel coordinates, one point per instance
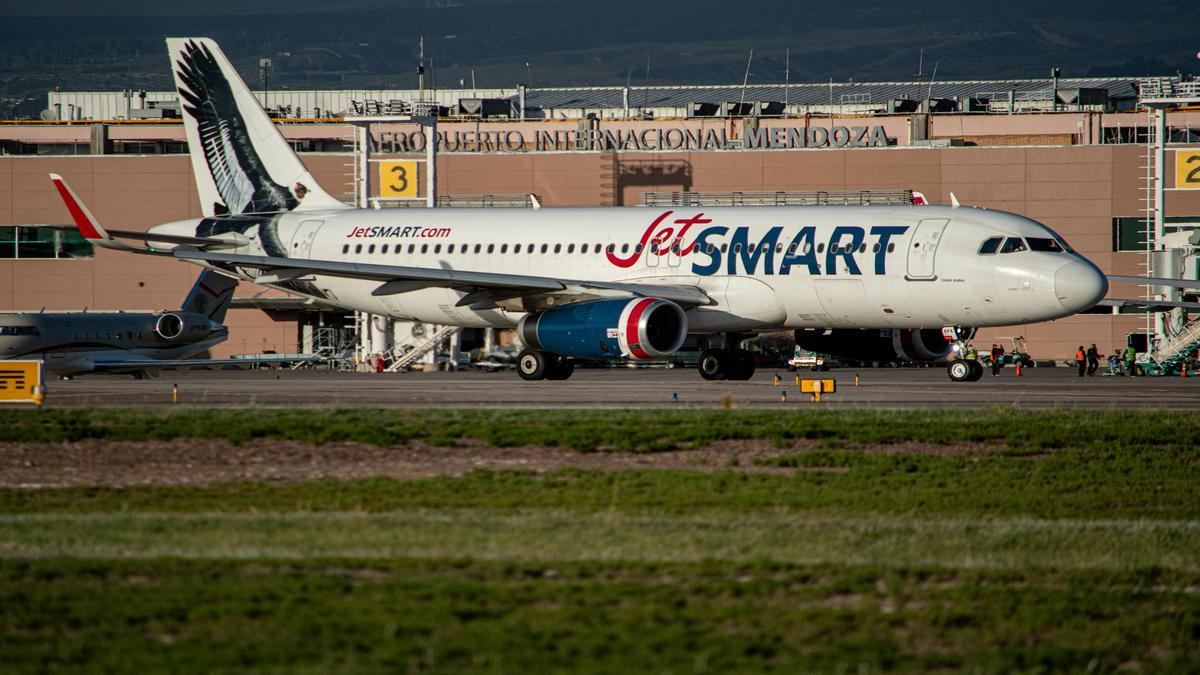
(618, 430)
(448, 616)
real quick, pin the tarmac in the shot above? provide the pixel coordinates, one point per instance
(929, 388)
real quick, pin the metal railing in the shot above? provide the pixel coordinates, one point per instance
(780, 198)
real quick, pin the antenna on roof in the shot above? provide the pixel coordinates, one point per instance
(787, 75)
(746, 79)
(933, 77)
(920, 73)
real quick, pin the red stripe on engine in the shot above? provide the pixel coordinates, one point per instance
(631, 328)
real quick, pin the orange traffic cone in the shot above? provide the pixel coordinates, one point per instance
(1018, 369)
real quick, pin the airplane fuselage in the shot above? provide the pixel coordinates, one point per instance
(763, 267)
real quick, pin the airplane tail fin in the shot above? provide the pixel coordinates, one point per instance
(210, 295)
(241, 162)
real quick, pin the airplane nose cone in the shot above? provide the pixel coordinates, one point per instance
(1079, 285)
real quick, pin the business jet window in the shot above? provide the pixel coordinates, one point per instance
(990, 245)
(44, 243)
(19, 330)
(1013, 245)
(1045, 245)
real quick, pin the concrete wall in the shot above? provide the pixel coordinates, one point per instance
(1076, 190)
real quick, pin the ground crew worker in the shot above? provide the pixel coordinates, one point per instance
(1093, 360)
(997, 355)
(1130, 358)
(972, 354)
(1081, 359)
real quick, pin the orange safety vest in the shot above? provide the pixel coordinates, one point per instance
(1079, 355)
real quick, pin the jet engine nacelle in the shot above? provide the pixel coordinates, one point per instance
(639, 328)
(884, 346)
(172, 326)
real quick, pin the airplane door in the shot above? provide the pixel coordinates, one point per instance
(652, 255)
(922, 249)
(673, 254)
(303, 238)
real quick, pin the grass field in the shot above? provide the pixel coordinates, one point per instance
(1057, 543)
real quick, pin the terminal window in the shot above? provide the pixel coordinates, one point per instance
(1129, 234)
(42, 243)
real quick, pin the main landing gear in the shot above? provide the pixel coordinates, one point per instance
(537, 365)
(965, 370)
(726, 364)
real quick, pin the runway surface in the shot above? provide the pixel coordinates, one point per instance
(625, 388)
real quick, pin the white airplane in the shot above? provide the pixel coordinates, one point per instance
(602, 283)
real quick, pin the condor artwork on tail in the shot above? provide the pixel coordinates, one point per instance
(603, 283)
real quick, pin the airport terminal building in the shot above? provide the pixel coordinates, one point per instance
(1104, 162)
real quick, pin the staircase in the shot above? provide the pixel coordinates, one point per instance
(1173, 350)
(403, 360)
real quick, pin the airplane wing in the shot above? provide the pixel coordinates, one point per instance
(150, 364)
(483, 287)
(1139, 306)
(1155, 281)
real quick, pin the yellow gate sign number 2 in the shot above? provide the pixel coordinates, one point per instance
(1187, 169)
(398, 179)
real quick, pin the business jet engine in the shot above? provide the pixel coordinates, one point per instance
(172, 326)
(888, 345)
(637, 328)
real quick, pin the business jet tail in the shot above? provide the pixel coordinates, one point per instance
(241, 162)
(210, 295)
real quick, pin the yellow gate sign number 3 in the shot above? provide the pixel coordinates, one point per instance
(398, 179)
(1187, 169)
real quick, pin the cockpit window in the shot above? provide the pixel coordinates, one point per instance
(990, 245)
(1047, 244)
(1013, 245)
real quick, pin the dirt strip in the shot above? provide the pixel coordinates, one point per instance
(200, 461)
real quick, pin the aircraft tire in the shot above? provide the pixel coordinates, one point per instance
(741, 365)
(532, 365)
(960, 370)
(559, 367)
(976, 371)
(713, 364)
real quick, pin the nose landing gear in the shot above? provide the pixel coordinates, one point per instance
(961, 369)
(965, 370)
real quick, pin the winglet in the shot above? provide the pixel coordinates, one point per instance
(954, 200)
(88, 226)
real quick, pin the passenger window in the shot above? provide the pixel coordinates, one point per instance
(725, 247)
(611, 248)
(424, 248)
(437, 248)
(875, 248)
(449, 249)
(478, 248)
(517, 248)
(346, 248)
(371, 248)
(504, 248)
(545, 247)
(653, 248)
(384, 249)
(411, 248)
(558, 248)
(358, 248)
(821, 247)
(990, 245)
(1013, 245)
(737, 248)
(570, 248)
(491, 248)
(891, 248)
(583, 249)
(624, 248)
(638, 248)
